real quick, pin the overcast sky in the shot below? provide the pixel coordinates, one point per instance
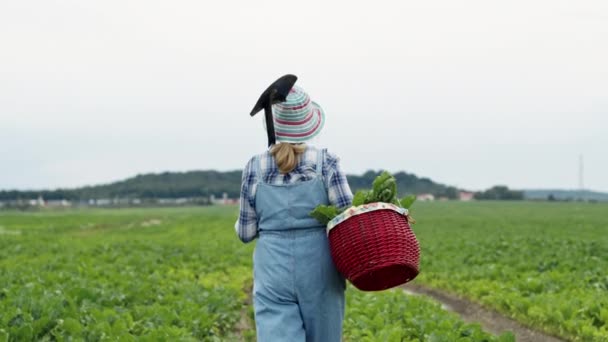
(468, 93)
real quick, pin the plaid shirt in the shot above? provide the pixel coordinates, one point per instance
(337, 187)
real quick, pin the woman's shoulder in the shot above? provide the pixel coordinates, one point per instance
(328, 155)
(260, 155)
(329, 158)
(258, 158)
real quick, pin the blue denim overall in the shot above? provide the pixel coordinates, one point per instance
(298, 295)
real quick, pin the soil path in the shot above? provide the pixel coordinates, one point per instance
(490, 320)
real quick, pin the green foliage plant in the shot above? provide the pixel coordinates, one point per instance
(384, 189)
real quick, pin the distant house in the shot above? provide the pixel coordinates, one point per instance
(225, 200)
(174, 201)
(103, 201)
(58, 203)
(425, 197)
(466, 196)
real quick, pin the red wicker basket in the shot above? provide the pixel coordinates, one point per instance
(374, 247)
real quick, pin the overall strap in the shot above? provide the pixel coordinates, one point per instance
(320, 162)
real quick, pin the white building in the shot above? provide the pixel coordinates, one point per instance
(425, 197)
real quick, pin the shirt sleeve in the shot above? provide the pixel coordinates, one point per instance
(338, 190)
(246, 225)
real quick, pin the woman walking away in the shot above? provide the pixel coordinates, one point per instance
(298, 295)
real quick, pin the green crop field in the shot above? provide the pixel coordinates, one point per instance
(181, 274)
(544, 264)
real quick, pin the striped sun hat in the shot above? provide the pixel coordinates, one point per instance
(298, 119)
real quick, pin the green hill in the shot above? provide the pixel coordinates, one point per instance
(407, 183)
(206, 183)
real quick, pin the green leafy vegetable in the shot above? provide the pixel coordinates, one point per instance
(359, 198)
(384, 189)
(324, 213)
(407, 201)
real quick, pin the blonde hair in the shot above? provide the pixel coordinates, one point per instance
(287, 155)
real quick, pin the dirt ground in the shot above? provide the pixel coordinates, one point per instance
(490, 320)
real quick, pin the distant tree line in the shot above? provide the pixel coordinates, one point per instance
(206, 183)
(203, 184)
(163, 185)
(407, 183)
(499, 192)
